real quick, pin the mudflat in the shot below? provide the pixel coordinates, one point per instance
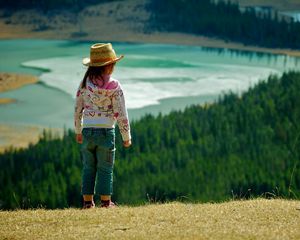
(11, 81)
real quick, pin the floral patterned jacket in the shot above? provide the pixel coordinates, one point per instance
(101, 108)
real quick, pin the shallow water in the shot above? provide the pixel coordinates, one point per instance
(38, 105)
(156, 78)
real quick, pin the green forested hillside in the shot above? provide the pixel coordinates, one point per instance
(239, 147)
(224, 20)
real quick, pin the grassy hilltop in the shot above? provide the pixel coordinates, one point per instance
(253, 219)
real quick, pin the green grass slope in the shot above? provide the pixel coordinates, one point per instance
(252, 219)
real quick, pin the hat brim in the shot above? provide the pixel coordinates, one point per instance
(87, 62)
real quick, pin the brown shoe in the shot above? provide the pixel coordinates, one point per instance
(88, 204)
(107, 204)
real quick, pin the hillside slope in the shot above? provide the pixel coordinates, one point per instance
(119, 21)
(243, 146)
(255, 219)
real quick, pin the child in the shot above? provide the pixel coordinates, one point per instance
(100, 104)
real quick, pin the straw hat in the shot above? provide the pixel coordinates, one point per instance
(101, 54)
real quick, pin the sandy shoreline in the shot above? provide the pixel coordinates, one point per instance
(14, 135)
(7, 100)
(11, 81)
(20, 136)
(154, 37)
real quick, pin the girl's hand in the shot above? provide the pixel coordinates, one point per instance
(79, 138)
(127, 143)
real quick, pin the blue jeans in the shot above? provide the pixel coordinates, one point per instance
(98, 156)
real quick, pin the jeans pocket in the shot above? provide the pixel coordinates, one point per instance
(110, 138)
(111, 155)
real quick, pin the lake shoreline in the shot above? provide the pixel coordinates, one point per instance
(14, 134)
(116, 22)
(11, 81)
(165, 38)
(19, 136)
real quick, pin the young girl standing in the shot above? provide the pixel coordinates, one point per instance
(100, 103)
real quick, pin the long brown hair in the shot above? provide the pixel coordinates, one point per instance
(91, 73)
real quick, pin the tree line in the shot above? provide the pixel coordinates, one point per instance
(238, 147)
(220, 19)
(223, 19)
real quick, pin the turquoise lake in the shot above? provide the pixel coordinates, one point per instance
(155, 77)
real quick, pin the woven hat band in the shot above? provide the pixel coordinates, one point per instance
(101, 52)
(101, 60)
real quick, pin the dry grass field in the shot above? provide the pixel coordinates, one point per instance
(251, 219)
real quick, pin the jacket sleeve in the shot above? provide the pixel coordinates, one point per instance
(120, 113)
(79, 104)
